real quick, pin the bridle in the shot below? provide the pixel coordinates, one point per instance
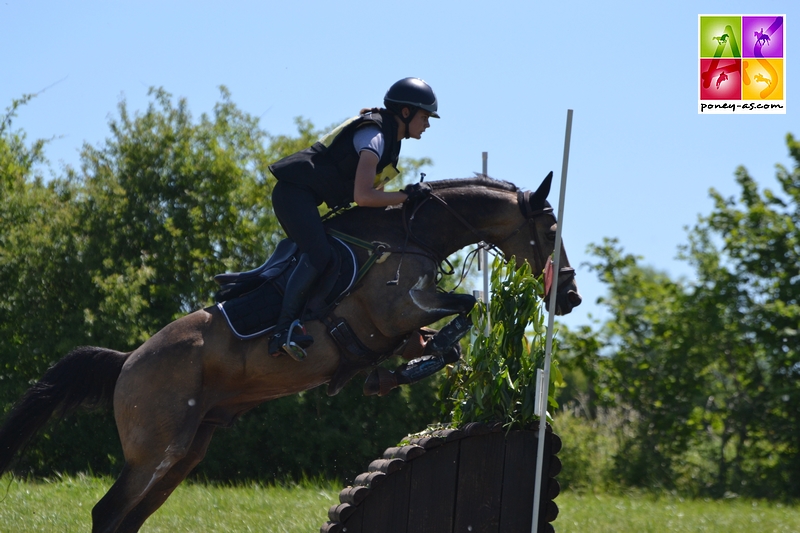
(565, 273)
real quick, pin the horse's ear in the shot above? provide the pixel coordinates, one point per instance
(538, 198)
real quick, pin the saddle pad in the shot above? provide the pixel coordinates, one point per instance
(255, 313)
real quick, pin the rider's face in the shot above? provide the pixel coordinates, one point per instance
(419, 124)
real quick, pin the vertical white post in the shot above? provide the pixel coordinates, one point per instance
(485, 258)
(550, 323)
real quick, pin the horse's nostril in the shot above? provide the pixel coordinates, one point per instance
(574, 298)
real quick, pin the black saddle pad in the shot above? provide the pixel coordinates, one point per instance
(254, 311)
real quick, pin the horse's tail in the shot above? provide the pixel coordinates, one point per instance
(87, 375)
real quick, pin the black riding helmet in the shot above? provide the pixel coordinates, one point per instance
(412, 93)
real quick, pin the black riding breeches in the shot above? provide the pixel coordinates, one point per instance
(297, 212)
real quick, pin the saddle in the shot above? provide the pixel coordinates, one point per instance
(251, 301)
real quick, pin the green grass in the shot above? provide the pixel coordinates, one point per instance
(645, 513)
(64, 505)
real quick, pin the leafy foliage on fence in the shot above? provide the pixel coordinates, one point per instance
(496, 379)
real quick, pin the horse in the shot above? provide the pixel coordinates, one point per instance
(722, 39)
(722, 77)
(759, 77)
(193, 376)
(761, 37)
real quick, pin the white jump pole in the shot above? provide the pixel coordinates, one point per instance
(544, 383)
(485, 259)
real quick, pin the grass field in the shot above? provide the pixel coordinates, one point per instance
(64, 505)
(601, 513)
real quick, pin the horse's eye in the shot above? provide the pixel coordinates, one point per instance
(551, 236)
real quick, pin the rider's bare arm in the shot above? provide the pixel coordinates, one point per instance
(365, 193)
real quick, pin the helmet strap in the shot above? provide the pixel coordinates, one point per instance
(407, 120)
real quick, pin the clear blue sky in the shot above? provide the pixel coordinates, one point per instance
(505, 73)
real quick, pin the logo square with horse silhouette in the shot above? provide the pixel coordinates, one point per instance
(742, 64)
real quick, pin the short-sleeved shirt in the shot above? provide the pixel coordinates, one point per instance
(368, 138)
(371, 138)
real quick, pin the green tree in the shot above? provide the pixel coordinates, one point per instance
(36, 242)
(747, 258)
(651, 370)
(175, 203)
(708, 370)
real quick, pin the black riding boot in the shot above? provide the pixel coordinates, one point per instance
(291, 337)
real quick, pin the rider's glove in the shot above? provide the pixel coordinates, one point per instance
(417, 192)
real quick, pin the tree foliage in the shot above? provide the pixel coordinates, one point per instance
(709, 368)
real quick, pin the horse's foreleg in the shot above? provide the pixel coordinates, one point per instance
(437, 305)
(156, 497)
(421, 308)
(441, 350)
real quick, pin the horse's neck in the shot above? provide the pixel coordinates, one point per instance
(485, 217)
(488, 215)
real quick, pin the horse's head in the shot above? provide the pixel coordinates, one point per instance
(534, 240)
(519, 223)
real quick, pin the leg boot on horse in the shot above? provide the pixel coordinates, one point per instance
(441, 350)
(291, 338)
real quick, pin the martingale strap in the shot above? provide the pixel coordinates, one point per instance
(377, 250)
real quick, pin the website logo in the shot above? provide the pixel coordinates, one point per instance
(742, 64)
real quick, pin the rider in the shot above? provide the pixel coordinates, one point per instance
(352, 163)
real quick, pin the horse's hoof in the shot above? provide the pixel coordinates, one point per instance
(372, 385)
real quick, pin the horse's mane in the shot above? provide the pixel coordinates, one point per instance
(342, 220)
(479, 180)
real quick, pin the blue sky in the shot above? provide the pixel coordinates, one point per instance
(642, 160)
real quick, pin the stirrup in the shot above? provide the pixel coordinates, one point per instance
(294, 349)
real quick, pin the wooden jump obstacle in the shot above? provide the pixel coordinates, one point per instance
(476, 479)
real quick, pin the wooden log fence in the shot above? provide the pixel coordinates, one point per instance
(476, 479)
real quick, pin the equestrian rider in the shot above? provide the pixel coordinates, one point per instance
(350, 164)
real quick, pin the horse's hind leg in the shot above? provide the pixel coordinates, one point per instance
(138, 478)
(126, 492)
(161, 490)
(150, 453)
(140, 475)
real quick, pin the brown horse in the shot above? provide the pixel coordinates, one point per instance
(194, 375)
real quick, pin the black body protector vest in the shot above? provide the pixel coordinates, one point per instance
(328, 168)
